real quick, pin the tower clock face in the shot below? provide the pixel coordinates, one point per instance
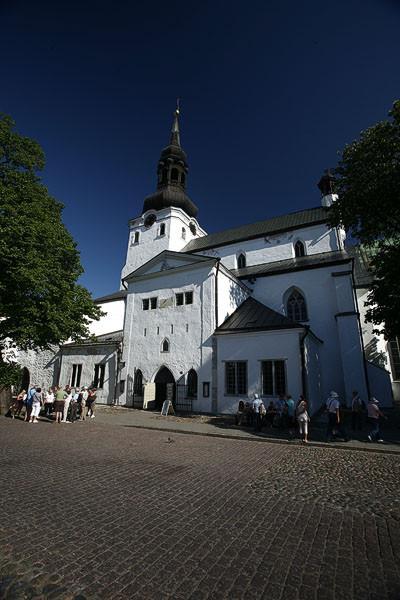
(149, 220)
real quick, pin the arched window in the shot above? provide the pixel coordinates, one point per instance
(299, 249)
(192, 384)
(138, 383)
(241, 261)
(183, 178)
(174, 174)
(165, 345)
(165, 175)
(296, 308)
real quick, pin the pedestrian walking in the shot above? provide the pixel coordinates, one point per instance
(357, 407)
(335, 425)
(257, 411)
(18, 404)
(48, 402)
(374, 415)
(28, 403)
(37, 403)
(303, 418)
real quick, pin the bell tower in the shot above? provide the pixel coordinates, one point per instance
(168, 219)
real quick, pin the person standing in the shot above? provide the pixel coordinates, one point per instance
(257, 402)
(48, 402)
(59, 404)
(18, 405)
(334, 420)
(84, 397)
(374, 414)
(37, 402)
(67, 400)
(74, 405)
(90, 402)
(357, 406)
(303, 418)
(28, 403)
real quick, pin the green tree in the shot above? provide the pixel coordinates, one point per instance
(368, 184)
(41, 303)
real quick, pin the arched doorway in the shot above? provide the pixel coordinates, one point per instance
(162, 379)
(25, 379)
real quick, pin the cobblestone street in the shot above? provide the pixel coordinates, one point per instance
(98, 511)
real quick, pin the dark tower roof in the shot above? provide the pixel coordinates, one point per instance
(172, 171)
(326, 183)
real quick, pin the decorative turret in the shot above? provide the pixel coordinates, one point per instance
(326, 186)
(171, 172)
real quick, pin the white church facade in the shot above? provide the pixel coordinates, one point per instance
(209, 320)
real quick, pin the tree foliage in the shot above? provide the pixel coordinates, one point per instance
(368, 184)
(41, 303)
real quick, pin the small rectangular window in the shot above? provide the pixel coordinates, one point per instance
(273, 377)
(99, 372)
(162, 229)
(76, 375)
(145, 303)
(145, 332)
(188, 297)
(153, 303)
(187, 327)
(236, 378)
(172, 329)
(179, 299)
(136, 238)
(158, 331)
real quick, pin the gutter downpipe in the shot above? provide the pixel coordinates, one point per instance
(216, 295)
(117, 370)
(303, 361)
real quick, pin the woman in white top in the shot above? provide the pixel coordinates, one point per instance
(303, 418)
(48, 402)
(67, 401)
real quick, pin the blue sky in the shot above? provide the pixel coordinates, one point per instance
(270, 92)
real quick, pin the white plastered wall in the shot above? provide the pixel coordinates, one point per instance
(254, 348)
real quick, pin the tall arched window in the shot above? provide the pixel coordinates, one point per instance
(138, 383)
(241, 261)
(296, 308)
(165, 345)
(183, 178)
(174, 174)
(299, 249)
(192, 384)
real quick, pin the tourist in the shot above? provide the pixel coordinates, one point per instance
(48, 402)
(270, 414)
(357, 406)
(303, 418)
(335, 426)
(74, 405)
(240, 413)
(374, 414)
(90, 402)
(290, 411)
(67, 401)
(28, 403)
(83, 398)
(37, 403)
(18, 404)
(257, 411)
(59, 404)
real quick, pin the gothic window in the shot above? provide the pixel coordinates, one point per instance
(192, 384)
(174, 175)
(241, 261)
(162, 229)
(183, 178)
(296, 308)
(165, 345)
(138, 383)
(299, 249)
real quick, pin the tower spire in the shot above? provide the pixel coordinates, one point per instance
(175, 139)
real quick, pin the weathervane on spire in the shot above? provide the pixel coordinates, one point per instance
(177, 111)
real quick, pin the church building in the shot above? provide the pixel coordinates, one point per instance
(210, 319)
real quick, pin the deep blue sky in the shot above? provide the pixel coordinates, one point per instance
(270, 92)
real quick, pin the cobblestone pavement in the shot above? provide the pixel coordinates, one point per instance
(94, 511)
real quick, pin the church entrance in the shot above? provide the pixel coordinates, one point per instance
(165, 386)
(25, 379)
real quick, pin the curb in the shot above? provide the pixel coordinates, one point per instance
(340, 446)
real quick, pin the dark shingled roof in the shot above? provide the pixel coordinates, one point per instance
(251, 315)
(310, 261)
(296, 220)
(120, 295)
(113, 337)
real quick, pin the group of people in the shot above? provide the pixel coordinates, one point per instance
(66, 404)
(284, 413)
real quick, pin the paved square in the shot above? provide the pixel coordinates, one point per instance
(92, 510)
